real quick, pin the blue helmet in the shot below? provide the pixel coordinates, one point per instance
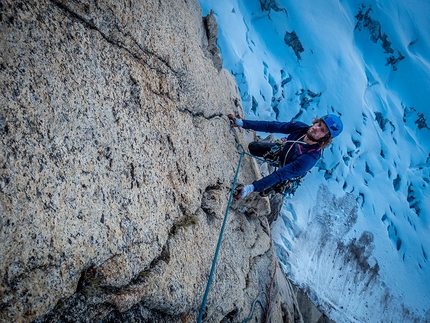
(334, 124)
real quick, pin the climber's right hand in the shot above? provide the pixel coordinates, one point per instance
(235, 122)
(232, 120)
(241, 191)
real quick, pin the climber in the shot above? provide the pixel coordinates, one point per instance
(295, 155)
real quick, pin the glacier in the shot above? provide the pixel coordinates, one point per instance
(356, 235)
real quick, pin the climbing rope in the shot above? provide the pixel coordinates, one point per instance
(269, 310)
(268, 296)
(202, 308)
(253, 308)
(241, 152)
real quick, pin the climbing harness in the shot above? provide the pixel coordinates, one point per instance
(289, 187)
(275, 152)
(286, 188)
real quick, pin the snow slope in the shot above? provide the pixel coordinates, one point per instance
(356, 235)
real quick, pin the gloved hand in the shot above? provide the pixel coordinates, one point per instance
(235, 122)
(242, 191)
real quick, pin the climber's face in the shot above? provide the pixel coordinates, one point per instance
(318, 131)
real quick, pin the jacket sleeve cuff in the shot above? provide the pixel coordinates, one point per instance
(238, 122)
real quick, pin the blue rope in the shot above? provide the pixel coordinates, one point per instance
(253, 308)
(252, 313)
(202, 308)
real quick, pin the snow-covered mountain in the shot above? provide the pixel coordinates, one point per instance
(356, 236)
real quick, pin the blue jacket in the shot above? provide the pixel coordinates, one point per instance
(300, 159)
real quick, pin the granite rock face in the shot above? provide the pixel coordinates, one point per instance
(117, 162)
